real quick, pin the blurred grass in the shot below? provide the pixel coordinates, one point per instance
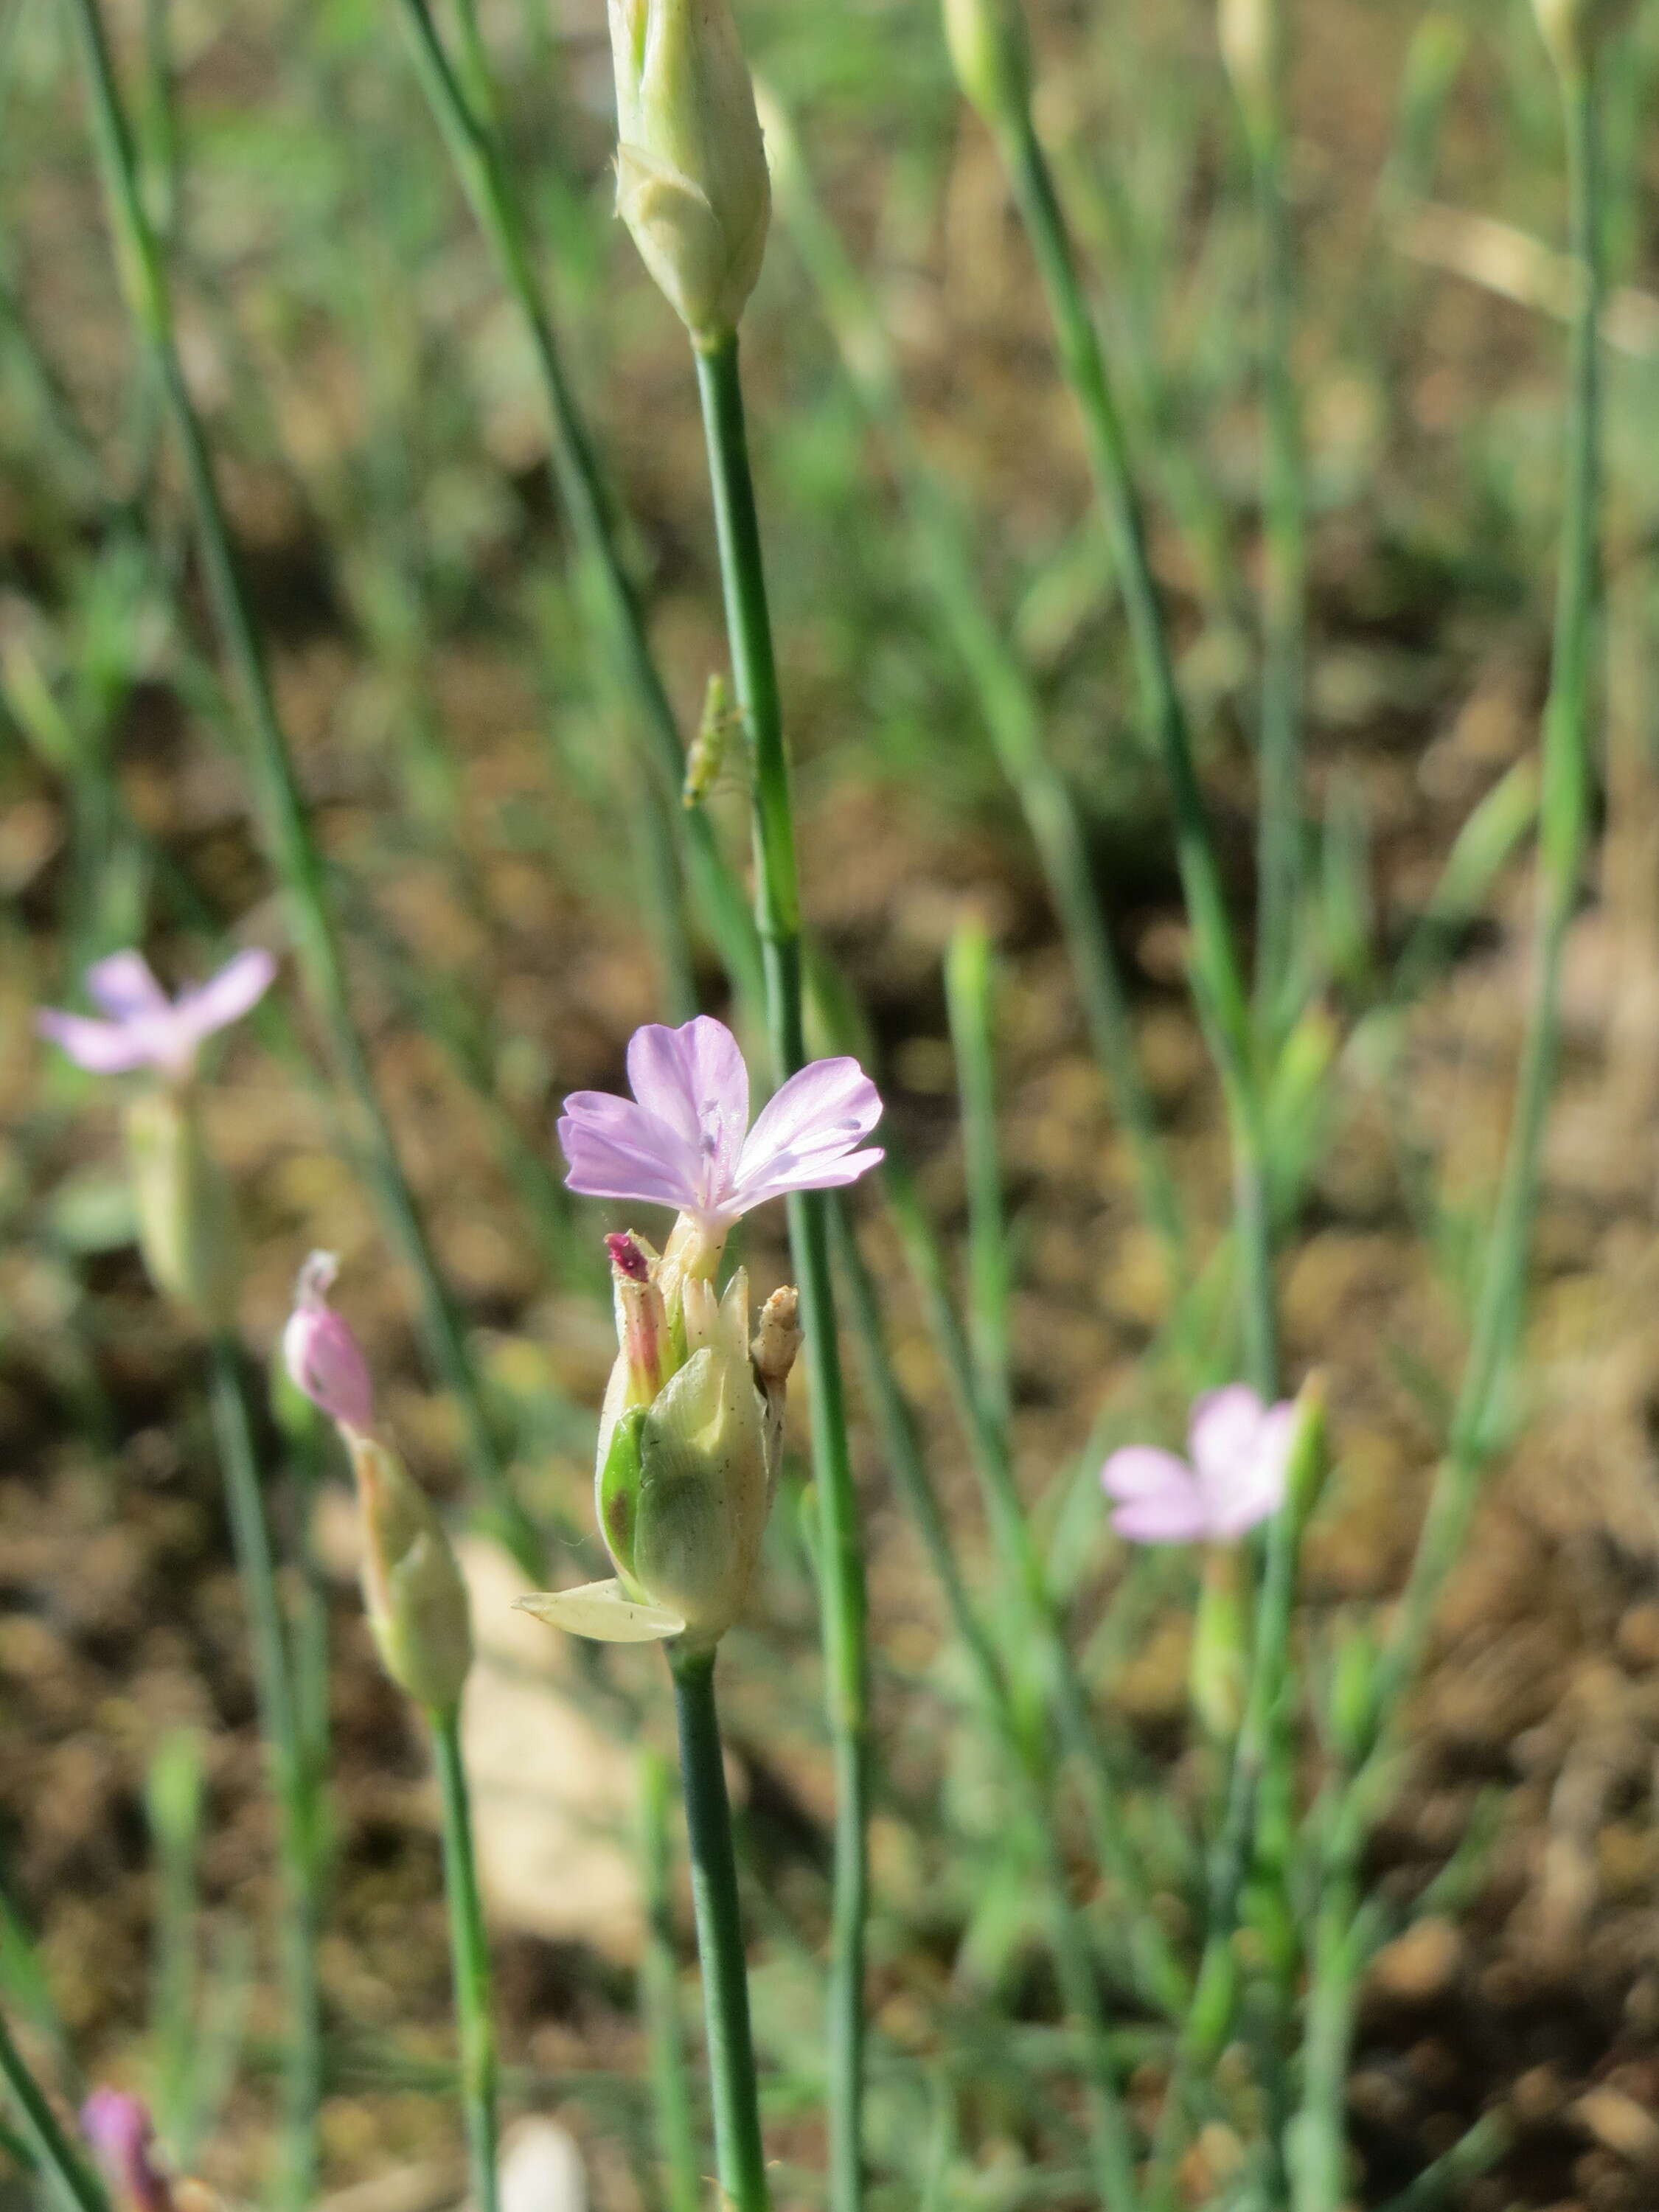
(378, 421)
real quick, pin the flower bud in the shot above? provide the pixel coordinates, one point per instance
(990, 53)
(187, 1221)
(416, 1602)
(1574, 29)
(691, 180)
(1252, 35)
(117, 2128)
(322, 1356)
(685, 1470)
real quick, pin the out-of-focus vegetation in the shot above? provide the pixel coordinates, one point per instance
(954, 653)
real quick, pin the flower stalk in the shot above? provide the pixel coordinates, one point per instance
(720, 1933)
(47, 2138)
(840, 1555)
(1003, 97)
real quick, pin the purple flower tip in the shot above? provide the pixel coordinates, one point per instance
(143, 1028)
(321, 1353)
(1233, 1478)
(626, 1258)
(118, 2129)
(684, 1140)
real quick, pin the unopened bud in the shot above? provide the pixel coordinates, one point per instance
(322, 1355)
(684, 1482)
(187, 1220)
(417, 1601)
(691, 180)
(990, 53)
(117, 2128)
(1574, 30)
(1252, 42)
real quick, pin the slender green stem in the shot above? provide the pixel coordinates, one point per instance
(1278, 852)
(719, 1935)
(51, 2145)
(469, 1954)
(777, 909)
(482, 169)
(1008, 703)
(970, 987)
(290, 841)
(1218, 974)
(659, 1998)
(291, 1779)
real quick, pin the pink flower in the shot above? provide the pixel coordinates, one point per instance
(145, 1028)
(683, 1139)
(117, 2128)
(1234, 1478)
(322, 1355)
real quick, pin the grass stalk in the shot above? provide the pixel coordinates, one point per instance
(659, 1999)
(1563, 828)
(469, 1954)
(290, 841)
(1217, 973)
(73, 2179)
(840, 1556)
(1008, 704)
(719, 1936)
(970, 993)
(293, 1783)
(1284, 581)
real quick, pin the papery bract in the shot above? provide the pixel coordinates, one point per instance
(1234, 1478)
(684, 1140)
(143, 1027)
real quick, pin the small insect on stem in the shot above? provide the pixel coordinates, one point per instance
(714, 758)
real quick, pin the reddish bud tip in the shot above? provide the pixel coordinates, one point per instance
(625, 1257)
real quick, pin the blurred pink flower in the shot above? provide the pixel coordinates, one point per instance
(321, 1353)
(145, 1028)
(683, 1139)
(118, 2129)
(1234, 1477)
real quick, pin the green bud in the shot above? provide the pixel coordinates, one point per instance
(417, 1605)
(187, 1220)
(1350, 1707)
(1575, 29)
(990, 53)
(1252, 46)
(683, 1479)
(691, 180)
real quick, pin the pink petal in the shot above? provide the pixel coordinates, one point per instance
(102, 1047)
(805, 1135)
(618, 1150)
(1157, 1500)
(124, 986)
(239, 985)
(693, 1079)
(322, 1354)
(1255, 1490)
(1221, 1431)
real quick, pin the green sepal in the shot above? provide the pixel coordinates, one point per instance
(619, 1489)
